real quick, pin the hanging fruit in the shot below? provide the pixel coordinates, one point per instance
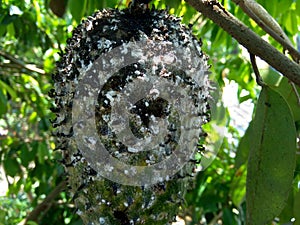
(131, 96)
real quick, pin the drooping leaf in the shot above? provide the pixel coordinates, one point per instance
(243, 147)
(272, 158)
(238, 186)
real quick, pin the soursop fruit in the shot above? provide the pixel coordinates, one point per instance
(166, 87)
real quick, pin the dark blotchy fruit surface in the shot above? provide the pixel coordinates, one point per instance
(98, 200)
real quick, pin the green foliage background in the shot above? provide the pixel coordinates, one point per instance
(31, 38)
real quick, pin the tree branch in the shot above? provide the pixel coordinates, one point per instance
(216, 218)
(246, 37)
(45, 205)
(268, 24)
(30, 67)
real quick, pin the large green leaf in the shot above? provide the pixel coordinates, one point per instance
(283, 86)
(272, 157)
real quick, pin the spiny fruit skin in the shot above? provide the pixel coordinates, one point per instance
(98, 200)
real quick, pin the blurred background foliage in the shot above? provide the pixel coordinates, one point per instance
(33, 32)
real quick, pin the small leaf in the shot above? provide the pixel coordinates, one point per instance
(3, 103)
(25, 155)
(42, 152)
(11, 166)
(271, 162)
(10, 90)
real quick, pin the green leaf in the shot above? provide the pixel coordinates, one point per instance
(31, 223)
(11, 91)
(91, 7)
(298, 5)
(290, 21)
(11, 166)
(228, 217)
(287, 213)
(270, 7)
(9, 19)
(3, 103)
(25, 155)
(238, 186)
(2, 214)
(284, 5)
(77, 9)
(271, 162)
(244, 147)
(297, 207)
(172, 3)
(42, 151)
(283, 86)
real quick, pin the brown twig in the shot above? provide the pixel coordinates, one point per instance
(29, 67)
(259, 80)
(45, 205)
(296, 92)
(216, 218)
(246, 37)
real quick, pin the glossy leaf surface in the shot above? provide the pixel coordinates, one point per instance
(271, 162)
